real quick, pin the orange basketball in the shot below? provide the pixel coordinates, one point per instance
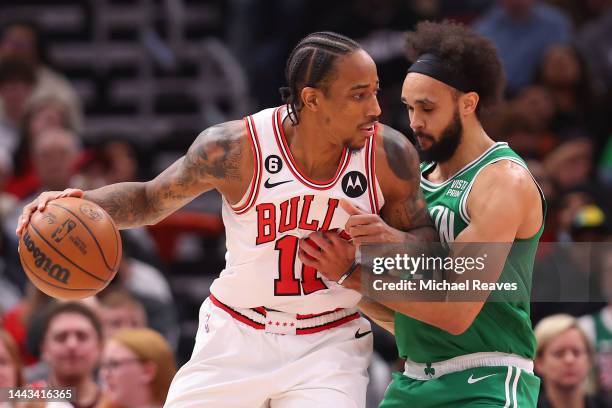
(71, 250)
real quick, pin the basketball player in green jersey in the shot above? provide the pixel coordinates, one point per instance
(458, 354)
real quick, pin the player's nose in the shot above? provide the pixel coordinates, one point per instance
(374, 108)
(416, 123)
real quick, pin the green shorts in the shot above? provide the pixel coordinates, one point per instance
(475, 387)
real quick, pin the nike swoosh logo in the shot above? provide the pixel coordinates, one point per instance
(267, 184)
(473, 380)
(360, 335)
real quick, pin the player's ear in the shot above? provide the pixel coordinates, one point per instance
(468, 103)
(309, 97)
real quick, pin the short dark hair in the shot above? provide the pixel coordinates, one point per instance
(470, 54)
(70, 307)
(311, 63)
(14, 69)
(42, 49)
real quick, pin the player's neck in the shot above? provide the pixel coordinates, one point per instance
(315, 156)
(474, 142)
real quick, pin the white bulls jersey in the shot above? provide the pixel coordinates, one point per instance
(281, 206)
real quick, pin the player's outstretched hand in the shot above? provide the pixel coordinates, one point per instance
(328, 252)
(39, 204)
(367, 228)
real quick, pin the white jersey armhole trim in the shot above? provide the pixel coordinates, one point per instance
(463, 203)
(430, 186)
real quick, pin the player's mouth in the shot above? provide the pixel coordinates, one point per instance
(369, 128)
(425, 141)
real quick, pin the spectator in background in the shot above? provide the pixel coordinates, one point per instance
(11, 370)
(522, 30)
(522, 132)
(41, 114)
(54, 153)
(137, 368)
(564, 73)
(595, 42)
(120, 310)
(571, 163)
(598, 328)
(71, 346)
(536, 102)
(569, 204)
(563, 360)
(568, 274)
(582, 11)
(18, 319)
(11, 374)
(17, 81)
(150, 287)
(24, 40)
(115, 161)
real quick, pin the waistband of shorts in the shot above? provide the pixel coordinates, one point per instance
(420, 371)
(259, 317)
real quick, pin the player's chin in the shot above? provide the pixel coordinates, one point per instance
(357, 143)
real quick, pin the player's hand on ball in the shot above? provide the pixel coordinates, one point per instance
(367, 228)
(39, 204)
(328, 252)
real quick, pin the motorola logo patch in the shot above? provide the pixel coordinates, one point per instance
(354, 184)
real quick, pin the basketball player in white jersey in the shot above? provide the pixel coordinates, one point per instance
(274, 332)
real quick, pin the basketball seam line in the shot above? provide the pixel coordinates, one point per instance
(88, 230)
(27, 266)
(64, 256)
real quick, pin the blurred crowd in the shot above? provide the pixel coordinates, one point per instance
(119, 349)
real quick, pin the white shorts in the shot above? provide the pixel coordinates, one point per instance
(234, 365)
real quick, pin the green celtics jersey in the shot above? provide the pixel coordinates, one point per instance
(502, 326)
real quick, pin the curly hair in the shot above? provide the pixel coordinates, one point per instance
(469, 53)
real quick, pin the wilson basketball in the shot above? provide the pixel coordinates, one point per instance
(71, 250)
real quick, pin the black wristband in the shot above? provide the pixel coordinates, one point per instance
(348, 272)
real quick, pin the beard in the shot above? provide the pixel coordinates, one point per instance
(442, 150)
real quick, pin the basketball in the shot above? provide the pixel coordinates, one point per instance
(71, 250)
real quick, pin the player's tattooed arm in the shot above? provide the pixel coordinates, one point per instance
(404, 216)
(398, 171)
(212, 161)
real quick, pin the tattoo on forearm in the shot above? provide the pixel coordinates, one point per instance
(126, 203)
(413, 213)
(214, 155)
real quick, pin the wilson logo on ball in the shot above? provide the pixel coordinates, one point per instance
(44, 262)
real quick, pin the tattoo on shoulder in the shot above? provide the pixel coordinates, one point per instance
(215, 153)
(409, 211)
(401, 155)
